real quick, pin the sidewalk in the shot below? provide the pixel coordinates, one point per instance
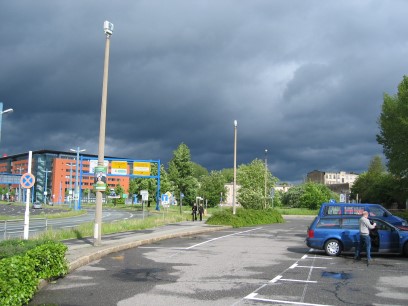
(82, 252)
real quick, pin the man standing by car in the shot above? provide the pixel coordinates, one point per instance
(365, 227)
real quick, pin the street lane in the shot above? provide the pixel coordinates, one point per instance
(15, 228)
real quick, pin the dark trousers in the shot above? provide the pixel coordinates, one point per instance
(194, 216)
(365, 240)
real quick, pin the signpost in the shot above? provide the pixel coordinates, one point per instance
(27, 181)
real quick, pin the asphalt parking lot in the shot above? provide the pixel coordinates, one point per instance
(249, 266)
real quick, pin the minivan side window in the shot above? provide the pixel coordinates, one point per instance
(377, 212)
(332, 210)
(350, 223)
(382, 226)
(353, 210)
(328, 223)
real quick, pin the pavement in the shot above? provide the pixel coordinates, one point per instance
(82, 251)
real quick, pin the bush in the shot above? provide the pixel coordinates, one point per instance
(49, 259)
(245, 217)
(18, 280)
(13, 247)
(20, 274)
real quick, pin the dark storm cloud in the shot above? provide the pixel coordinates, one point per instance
(304, 79)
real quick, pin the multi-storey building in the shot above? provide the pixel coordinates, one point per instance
(332, 178)
(55, 173)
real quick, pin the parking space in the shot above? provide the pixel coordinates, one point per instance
(317, 279)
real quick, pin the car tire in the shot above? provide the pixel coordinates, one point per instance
(332, 247)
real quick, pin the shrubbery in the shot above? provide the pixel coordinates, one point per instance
(245, 217)
(32, 261)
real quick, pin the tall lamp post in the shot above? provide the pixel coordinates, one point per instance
(108, 29)
(77, 204)
(9, 110)
(20, 169)
(45, 185)
(234, 188)
(70, 183)
(266, 177)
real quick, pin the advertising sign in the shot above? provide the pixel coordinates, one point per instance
(94, 163)
(141, 168)
(119, 167)
(100, 178)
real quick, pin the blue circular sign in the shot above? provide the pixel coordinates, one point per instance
(27, 180)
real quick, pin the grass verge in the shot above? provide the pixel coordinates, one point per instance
(87, 229)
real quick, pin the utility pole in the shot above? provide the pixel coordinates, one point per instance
(234, 188)
(108, 29)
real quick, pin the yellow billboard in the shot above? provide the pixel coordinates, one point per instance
(119, 167)
(141, 168)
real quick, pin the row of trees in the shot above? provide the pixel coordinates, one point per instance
(377, 185)
(191, 179)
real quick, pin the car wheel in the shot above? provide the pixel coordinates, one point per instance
(332, 247)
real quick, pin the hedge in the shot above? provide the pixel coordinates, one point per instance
(21, 274)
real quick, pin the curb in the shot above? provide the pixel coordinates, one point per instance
(98, 254)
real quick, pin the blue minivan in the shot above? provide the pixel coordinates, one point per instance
(337, 233)
(374, 210)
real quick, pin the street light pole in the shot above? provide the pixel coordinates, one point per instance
(70, 183)
(76, 198)
(108, 29)
(234, 188)
(9, 110)
(266, 177)
(45, 185)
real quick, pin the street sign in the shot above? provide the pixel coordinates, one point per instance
(119, 167)
(141, 168)
(145, 195)
(164, 199)
(27, 180)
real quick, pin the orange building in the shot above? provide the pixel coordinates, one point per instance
(55, 173)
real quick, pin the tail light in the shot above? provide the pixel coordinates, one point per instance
(310, 233)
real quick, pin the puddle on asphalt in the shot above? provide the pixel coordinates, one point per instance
(336, 275)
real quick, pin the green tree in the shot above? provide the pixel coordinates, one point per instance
(181, 174)
(291, 198)
(315, 194)
(228, 173)
(211, 188)
(251, 178)
(119, 191)
(393, 124)
(308, 195)
(376, 185)
(199, 171)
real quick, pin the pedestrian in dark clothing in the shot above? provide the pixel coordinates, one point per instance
(194, 212)
(201, 211)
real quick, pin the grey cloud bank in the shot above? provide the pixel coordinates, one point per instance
(304, 79)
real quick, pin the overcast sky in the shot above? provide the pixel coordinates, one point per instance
(304, 79)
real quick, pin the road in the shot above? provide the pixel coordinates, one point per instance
(15, 228)
(265, 265)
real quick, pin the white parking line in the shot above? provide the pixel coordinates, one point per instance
(234, 234)
(253, 297)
